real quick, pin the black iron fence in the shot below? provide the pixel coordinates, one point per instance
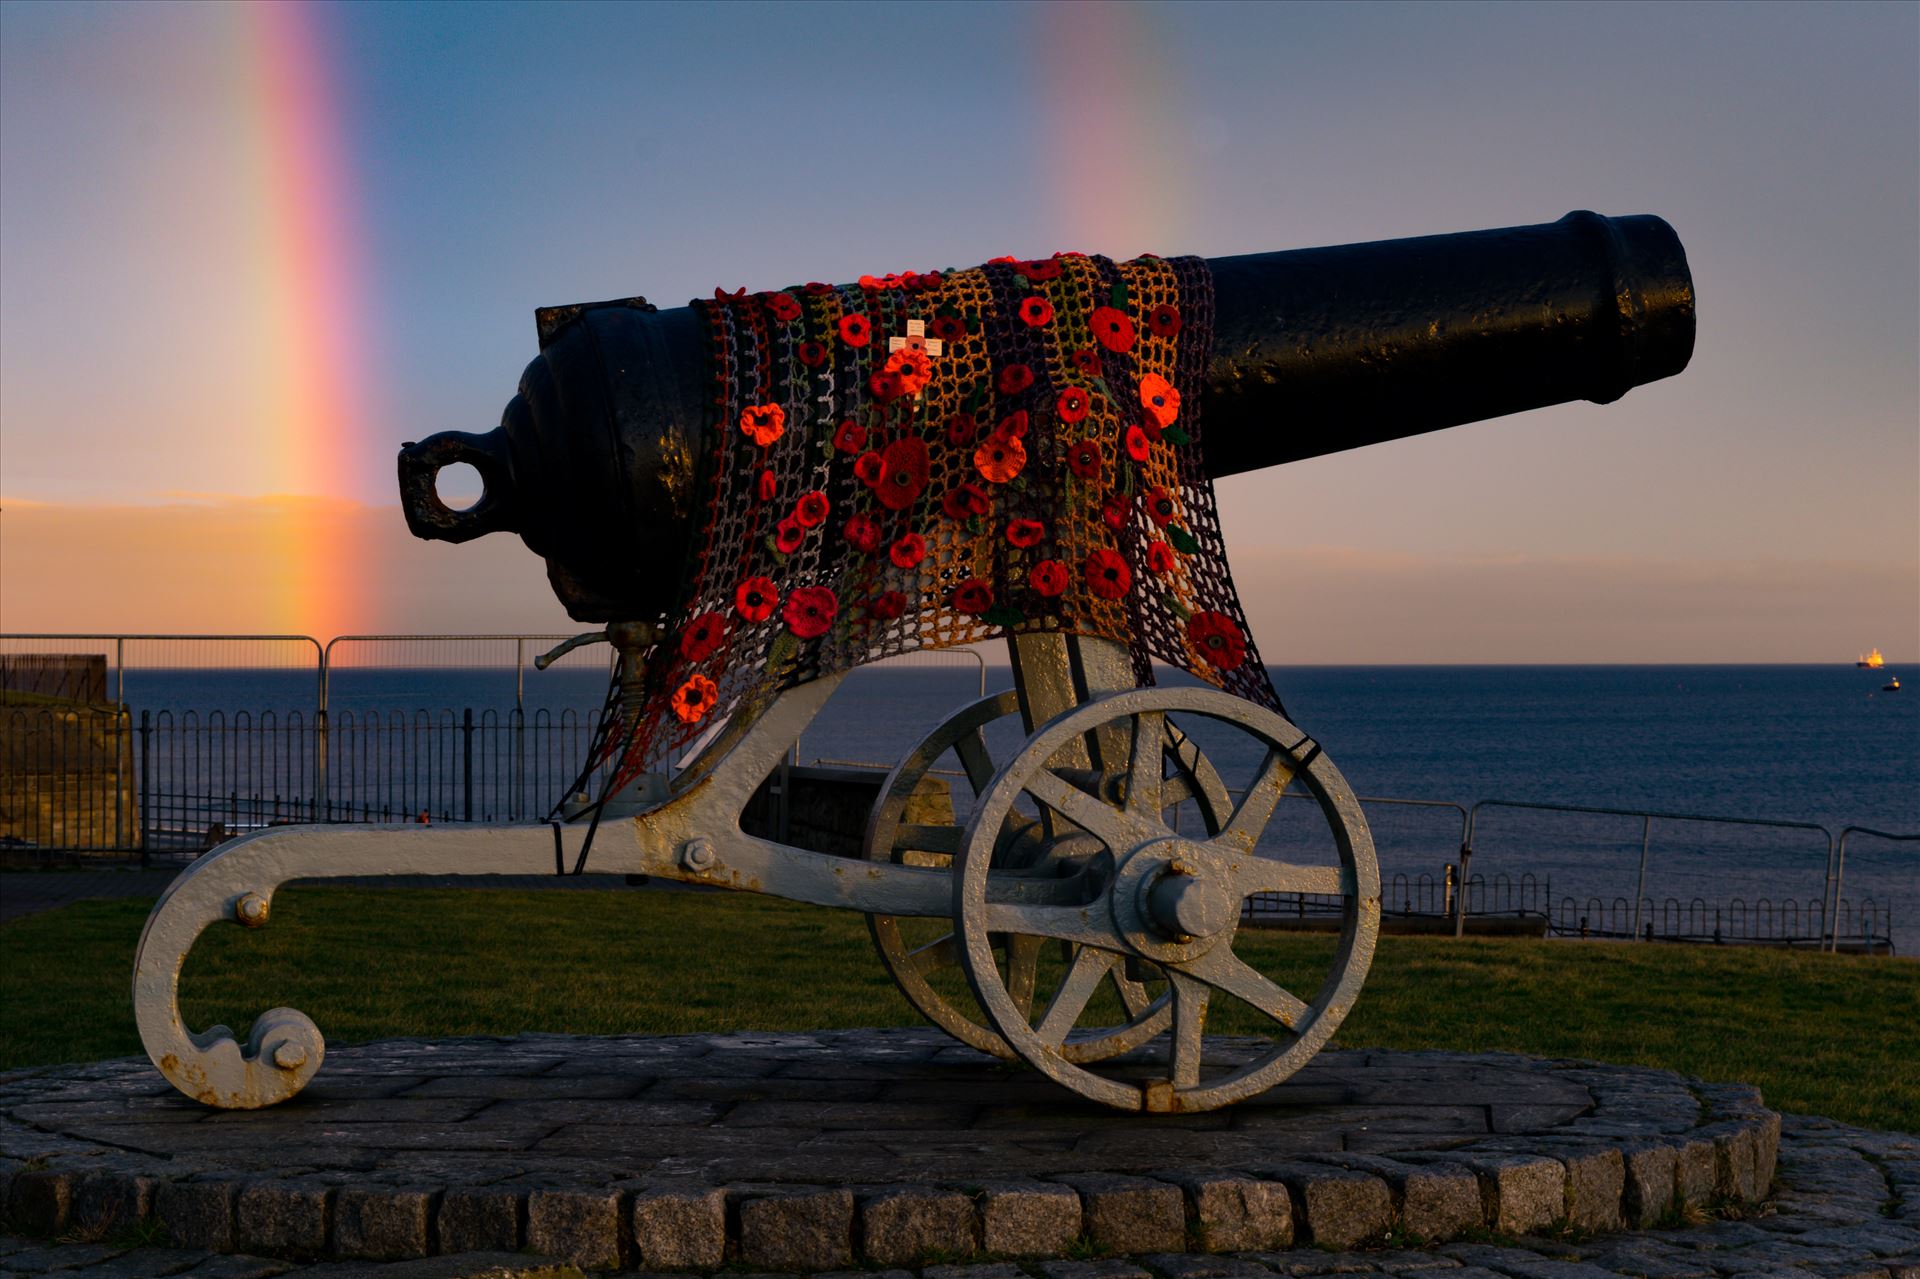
(106, 781)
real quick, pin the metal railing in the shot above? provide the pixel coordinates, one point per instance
(77, 776)
(166, 783)
(255, 652)
(1647, 818)
(1840, 859)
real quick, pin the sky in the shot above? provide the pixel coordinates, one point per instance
(247, 250)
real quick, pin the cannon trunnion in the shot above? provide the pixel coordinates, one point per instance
(1315, 351)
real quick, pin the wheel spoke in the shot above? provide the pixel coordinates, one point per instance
(1189, 1027)
(972, 750)
(1176, 790)
(1023, 967)
(1088, 925)
(1256, 806)
(1144, 770)
(1265, 875)
(1224, 970)
(1134, 996)
(935, 955)
(1070, 1000)
(1094, 816)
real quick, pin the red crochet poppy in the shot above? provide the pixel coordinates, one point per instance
(1218, 639)
(765, 423)
(1036, 311)
(909, 550)
(785, 309)
(1159, 400)
(905, 475)
(809, 611)
(694, 700)
(811, 510)
(1164, 321)
(1000, 458)
(1113, 512)
(1107, 574)
(855, 330)
(755, 598)
(948, 328)
(962, 429)
(1074, 404)
(1084, 459)
(850, 437)
(1086, 360)
(1039, 270)
(1048, 578)
(702, 636)
(1025, 533)
(1160, 506)
(816, 289)
(1112, 329)
(886, 606)
(812, 354)
(1160, 557)
(768, 486)
(965, 502)
(869, 468)
(913, 368)
(973, 596)
(1014, 424)
(1013, 379)
(1139, 447)
(863, 534)
(788, 535)
(886, 385)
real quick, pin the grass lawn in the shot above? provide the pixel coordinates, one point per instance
(1831, 1035)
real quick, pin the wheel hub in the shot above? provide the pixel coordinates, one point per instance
(1184, 902)
(1172, 900)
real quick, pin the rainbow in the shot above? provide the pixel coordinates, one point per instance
(307, 254)
(1118, 172)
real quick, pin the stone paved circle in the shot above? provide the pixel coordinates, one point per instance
(808, 1153)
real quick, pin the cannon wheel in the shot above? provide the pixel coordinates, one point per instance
(892, 838)
(1170, 900)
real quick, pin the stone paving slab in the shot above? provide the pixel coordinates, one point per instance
(1825, 1171)
(792, 1153)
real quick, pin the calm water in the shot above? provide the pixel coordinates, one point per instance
(1815, 744)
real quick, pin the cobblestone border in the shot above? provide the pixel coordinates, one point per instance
(1655, 1148)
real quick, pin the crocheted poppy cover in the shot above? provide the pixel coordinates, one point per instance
(923, 461)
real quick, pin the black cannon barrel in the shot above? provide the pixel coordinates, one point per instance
(1315, 351)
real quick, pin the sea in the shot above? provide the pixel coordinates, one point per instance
(1805, 746)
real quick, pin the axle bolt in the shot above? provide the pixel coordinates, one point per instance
(251, 910)
(697, 854)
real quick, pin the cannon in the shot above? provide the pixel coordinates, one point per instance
(1081, 911)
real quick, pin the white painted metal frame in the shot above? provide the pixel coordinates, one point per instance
(693, 835)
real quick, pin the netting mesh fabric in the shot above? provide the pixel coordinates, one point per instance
(924, 461)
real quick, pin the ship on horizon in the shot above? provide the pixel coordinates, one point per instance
(1872, 661)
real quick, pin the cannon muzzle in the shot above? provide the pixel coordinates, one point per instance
(596, 460)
